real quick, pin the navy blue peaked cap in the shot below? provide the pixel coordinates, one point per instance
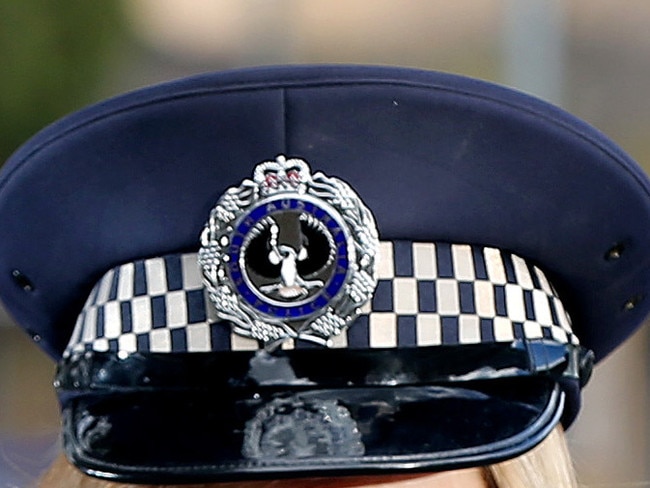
(462, 354)
(437, 157)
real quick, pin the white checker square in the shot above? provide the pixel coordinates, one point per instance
(100, 345)
(383, 330)
(522, 273)
(385, 266)
(503, 330)
(125, 281)
(469, 331)
(176, 308)
(198, 338)
(424, 261)
(141, 314)
(112, 320)
(240, 343)
(515, 303)
(532, 330)
(288, 345)
(127, 343)
(541, 277)
(447, 297)
(559, 335)
(191, 275)
(494, 265)
(160, 340)
(89, 332)
(156, 276)
(339, 341)
(405, 296)
(463, 262)
(366, 307)
(428, 330)
(484, 299)
(542, 308)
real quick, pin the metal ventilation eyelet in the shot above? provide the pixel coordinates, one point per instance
(615, 252)
(21, 280)
(632, 303)
(35, 336)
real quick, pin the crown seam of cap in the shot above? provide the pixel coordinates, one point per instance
(285, 120)
(285, 85)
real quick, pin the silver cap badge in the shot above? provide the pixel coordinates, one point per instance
(289, 254)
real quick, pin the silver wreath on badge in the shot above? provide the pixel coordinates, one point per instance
(289, 254)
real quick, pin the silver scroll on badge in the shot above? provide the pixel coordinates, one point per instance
(289, 254)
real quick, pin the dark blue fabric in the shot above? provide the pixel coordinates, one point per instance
(407, 331)
(487, 330)
(427, 296)
(179, 341)
(158, 312)
(444, 261)
(359, 335)
(500, 301)
(139, 279)
(382, 300)
(195, 307)
(220, 335)
(403, 258)
(100, 323)
(509, 269)
(125, 310)
(479, 264)
(450, 330)
(466, 293)
(174, 275)
(436, 157)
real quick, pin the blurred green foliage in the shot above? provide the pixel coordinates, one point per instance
(53, 53)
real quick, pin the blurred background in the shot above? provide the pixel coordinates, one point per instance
(590, 57)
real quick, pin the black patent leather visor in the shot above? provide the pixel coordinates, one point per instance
(167, 418)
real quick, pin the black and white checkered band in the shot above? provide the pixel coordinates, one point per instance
(427, 294)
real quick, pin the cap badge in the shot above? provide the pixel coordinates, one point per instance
(289, 254)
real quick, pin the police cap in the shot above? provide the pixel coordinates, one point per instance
(286, 271)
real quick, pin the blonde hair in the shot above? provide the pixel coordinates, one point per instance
(546, 466)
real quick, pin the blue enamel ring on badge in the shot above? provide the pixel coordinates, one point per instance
(289, 254)
(290, 309)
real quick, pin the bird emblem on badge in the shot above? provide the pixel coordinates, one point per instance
(289, 254)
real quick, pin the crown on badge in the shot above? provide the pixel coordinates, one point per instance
(289, 254)
(282, 175)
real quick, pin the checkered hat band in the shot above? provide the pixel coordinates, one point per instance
(427, 294)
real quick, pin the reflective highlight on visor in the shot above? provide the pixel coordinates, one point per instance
(201, 435)
(296, 427)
